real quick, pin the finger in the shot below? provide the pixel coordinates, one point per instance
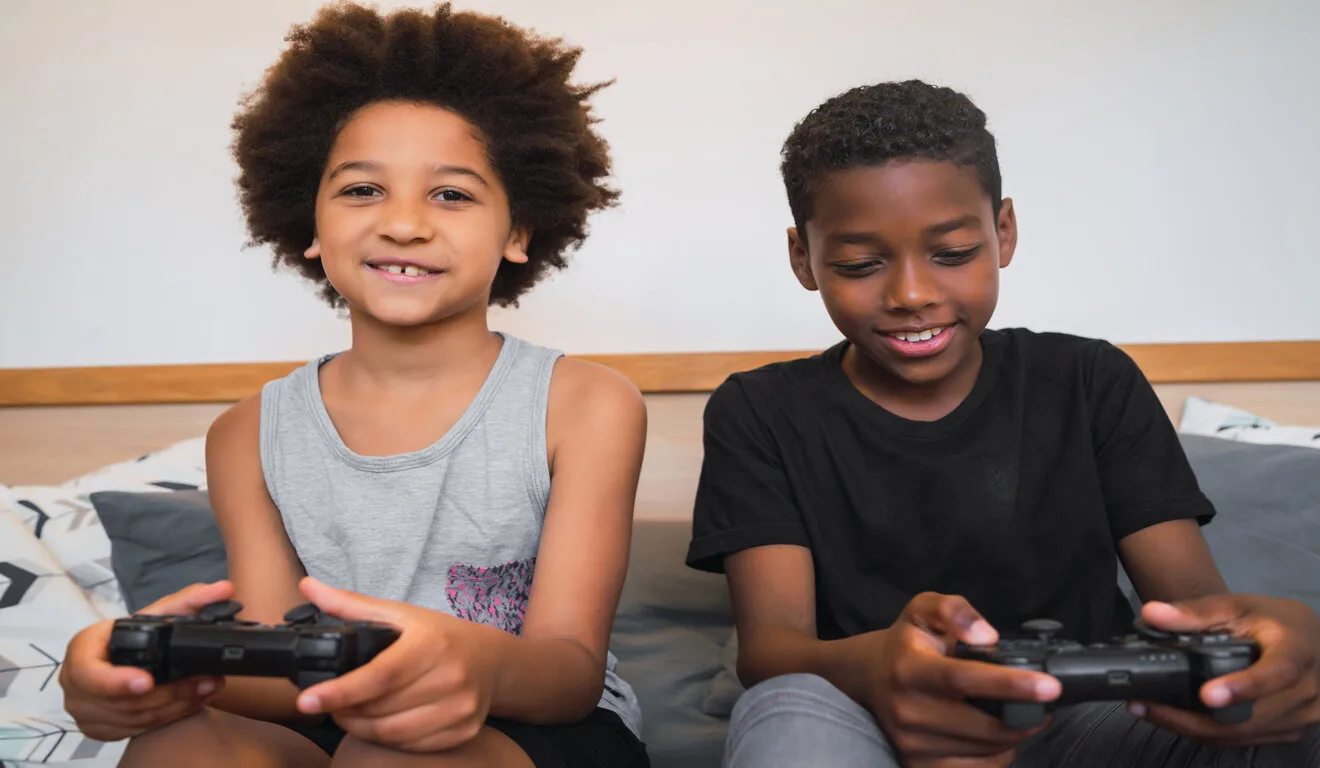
(393, 670)
(927, 726)
(107, 715)
(950, 616)
(410, 726)
(1002, 760)
(1279, 668)
(190, 599)
(191, 689)
(351, 606)
(1271, 721)
(940, 676)
(1199, 615)
(87, 668)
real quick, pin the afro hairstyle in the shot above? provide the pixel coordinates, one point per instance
(876, 124)
(511, 85)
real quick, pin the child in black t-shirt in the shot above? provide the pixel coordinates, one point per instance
(928, 480)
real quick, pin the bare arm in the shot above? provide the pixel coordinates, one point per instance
(1171, 561)
(554, 671)
(774, 602)
(262, 564)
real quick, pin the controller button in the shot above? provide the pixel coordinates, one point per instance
(302, 614)
(223, 611)
(318, 647)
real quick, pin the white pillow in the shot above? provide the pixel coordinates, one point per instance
(41, 609)
(64, 520)
(1204, 417)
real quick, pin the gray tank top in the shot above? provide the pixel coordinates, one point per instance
(453, 527)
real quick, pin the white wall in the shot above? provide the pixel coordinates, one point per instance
(1163, 157)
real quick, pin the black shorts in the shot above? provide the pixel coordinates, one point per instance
(600, 740)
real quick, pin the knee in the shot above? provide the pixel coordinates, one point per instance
(793, 720)
(194, 732)
(793, 692)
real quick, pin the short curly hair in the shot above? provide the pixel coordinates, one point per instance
(511, 85)
(875, 124)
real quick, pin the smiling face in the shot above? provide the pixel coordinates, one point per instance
(411, 220)
(906, 257)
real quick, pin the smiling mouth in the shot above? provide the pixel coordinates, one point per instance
(409, 270)
(919, 336)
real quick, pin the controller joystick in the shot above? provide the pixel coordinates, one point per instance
(1149, 665)
(308, 648)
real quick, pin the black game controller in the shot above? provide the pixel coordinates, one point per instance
(1150, 665)
(310, 648)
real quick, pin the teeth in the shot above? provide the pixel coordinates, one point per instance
(925, 335)
(399, 269)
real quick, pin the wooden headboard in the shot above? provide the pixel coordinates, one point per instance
(78, 427)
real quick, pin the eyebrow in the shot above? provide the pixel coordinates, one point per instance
(439, 170)
(945, 227)
(942, 228)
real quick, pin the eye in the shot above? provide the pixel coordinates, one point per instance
(957, 257)
(361, 191)
(452, 196)
(857, 268)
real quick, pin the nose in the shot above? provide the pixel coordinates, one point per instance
(911, 285)
(405, 221)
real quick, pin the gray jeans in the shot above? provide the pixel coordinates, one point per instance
(802, 721)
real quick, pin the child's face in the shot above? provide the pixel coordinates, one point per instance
(913, 249)
(411, 221)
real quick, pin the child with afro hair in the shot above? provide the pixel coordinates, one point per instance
(468, 488)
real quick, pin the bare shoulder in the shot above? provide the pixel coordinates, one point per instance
(595, 395)
(233, 459)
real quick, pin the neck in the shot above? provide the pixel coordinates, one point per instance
(919, 402)
(392, 357)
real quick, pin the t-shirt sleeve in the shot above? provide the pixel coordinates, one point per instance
(743, 496)
(1144, 472)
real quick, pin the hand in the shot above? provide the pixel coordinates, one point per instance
(429, 691)
(920, 692)
(110, 703)
(1283, 683)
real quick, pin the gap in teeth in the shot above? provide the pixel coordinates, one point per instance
(411, 271)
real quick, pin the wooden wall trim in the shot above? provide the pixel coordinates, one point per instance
(664, 372)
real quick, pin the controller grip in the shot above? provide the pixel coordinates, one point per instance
(1016, 715)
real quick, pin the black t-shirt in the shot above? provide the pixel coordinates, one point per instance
(1015, 500)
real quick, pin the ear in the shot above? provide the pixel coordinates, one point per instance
(1007, 231)
(515, 250)
(800, 260)
(314, 250)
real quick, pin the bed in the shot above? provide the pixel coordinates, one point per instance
(57, 572)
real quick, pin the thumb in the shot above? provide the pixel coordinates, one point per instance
(350, 606)
(190, 599)
(1217, 612)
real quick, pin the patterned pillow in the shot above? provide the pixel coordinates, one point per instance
(55, 579)
(41, 609)
(1204, 417)
(64, 519)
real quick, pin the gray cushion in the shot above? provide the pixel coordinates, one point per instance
(1266, 537)
(669, 633)
(160, 542)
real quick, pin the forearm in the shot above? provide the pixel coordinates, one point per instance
(261, 699)
(784, 650)
(543, 680)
